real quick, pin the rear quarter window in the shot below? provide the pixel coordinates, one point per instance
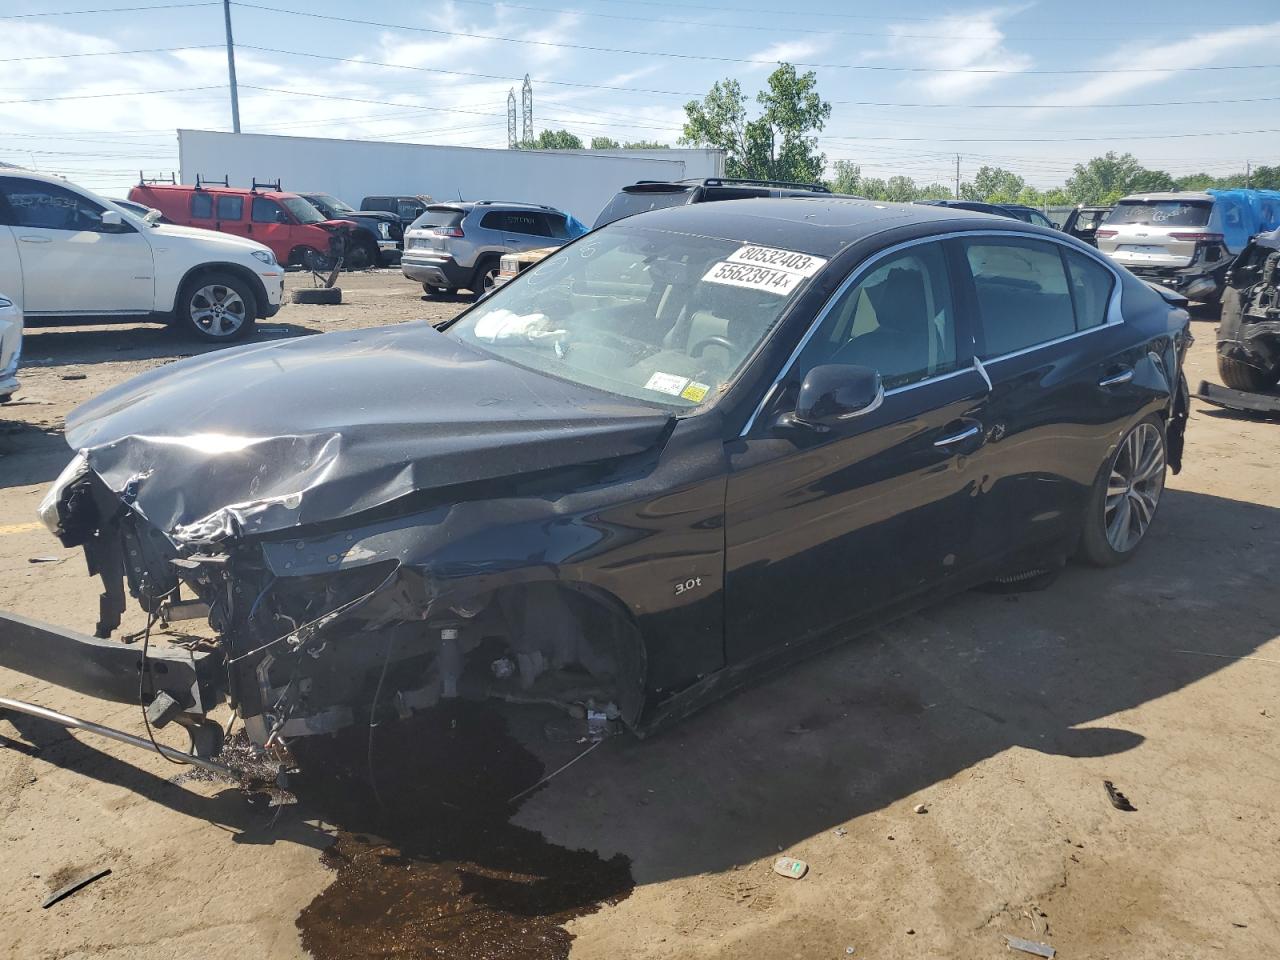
(230, 207)
(1091, 286)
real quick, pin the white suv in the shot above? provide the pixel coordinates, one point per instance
(66, 252)
(10, 347)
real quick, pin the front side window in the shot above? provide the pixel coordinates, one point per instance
(51, 207)
(666, 317)
(267, 211)
(897, 320)
(230, 207)
(202, 206)
(1022, 293)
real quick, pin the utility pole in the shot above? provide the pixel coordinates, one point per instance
(957, 176)
(231, 69)
(1248, 174)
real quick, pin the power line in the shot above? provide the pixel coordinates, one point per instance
(114, 93)
(695, 56)
(108, 53)
(72, 13)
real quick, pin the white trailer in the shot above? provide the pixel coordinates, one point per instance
(578, 181)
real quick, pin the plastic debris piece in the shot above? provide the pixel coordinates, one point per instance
(73, 886)
(1118, 799)
(920, 808)
(1031, 946)
(841, 832)
(790, 867)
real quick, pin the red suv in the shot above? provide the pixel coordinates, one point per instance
(293, 229)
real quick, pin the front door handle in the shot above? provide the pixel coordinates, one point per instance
(35, 239)
(1115, 379)
(960, 435)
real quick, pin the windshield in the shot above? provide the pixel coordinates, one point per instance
(326, 202)
(626, 204)
(1162, 213)
(649, 314)
(302, 210)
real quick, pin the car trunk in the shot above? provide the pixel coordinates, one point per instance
(1164, 233)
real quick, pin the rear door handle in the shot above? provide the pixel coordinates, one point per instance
(959, 436)
(35, 239)
(1115, 379)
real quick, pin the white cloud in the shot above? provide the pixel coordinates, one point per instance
(975, 42)
(1163, 60)
(787, 51)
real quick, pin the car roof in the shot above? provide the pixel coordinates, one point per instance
(1197, 196)
(468, 205)
(208, 188)
(821, 226)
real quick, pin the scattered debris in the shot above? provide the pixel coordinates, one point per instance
(45, 559)
(64, 892)
(1242, 926)
(911, 931)
(848, 951)
(920, 808)
(75, 376)
(840, 832)
(1031, 946)
(1118, 799)
(790, 867)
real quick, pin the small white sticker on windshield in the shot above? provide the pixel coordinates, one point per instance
(667, 383)
(770, 279)
(788, 260)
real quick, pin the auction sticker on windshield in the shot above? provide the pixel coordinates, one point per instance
(764, 268)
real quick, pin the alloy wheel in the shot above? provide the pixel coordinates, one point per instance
(217, 310)
(1134, 488)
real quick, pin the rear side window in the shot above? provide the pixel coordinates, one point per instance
(516, 221)
(1091, 285)
(557, 226)
(202, 206)
(1022, 291)
(230, 207)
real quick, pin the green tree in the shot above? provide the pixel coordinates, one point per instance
(555, 140)
(847, 179)
(604, 143)
(1195, 181)
(645, 145)
(1149, 181)
(778, 144)
(993, 185)
(1103, 179)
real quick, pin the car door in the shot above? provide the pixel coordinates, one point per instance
(72, 262)
(271, 224)
(1052, 342)
(525, 230)
(824, 528)
(229, 214)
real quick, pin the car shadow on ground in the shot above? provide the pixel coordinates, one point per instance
(46, 346)
(866, 724)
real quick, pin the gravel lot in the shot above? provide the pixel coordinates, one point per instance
(1001, 714)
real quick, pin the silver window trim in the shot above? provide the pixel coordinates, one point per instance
(1114, 316)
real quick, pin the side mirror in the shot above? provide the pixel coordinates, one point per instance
(111, 218)
(836, 392)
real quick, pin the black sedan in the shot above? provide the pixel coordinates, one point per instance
(683, 448)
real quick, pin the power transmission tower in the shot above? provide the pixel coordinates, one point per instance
(511, 119)
(231, 69)
(526, 97)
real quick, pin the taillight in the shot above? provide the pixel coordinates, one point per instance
(1106, 233)
(1198, 237)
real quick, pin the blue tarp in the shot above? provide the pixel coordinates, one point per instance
(1247, 212)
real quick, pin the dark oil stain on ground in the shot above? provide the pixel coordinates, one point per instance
(438, 870)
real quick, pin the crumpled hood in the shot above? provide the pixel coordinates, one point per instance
(269, 436)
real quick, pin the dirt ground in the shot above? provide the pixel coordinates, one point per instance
(1001, 714)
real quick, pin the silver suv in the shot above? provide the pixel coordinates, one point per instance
(1184, 241)
(455, 246)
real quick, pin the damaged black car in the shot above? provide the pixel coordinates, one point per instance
(1249, 334)
(684, 448)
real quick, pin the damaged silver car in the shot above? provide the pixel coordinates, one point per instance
(684, 448)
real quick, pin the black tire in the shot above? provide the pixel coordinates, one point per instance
(485, 277)
(216, 307)
(322, 295)
(1096, 545)
(1241, 376)
(362, 255)
(432, 291)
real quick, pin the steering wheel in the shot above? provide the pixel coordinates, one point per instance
(717, 341)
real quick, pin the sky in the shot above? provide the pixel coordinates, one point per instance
(1034, 87)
